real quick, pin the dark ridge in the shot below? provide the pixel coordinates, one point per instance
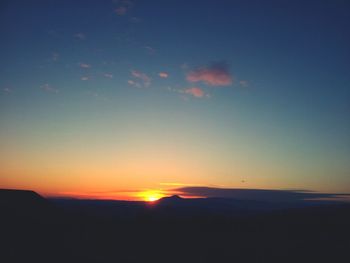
(170, 201)
(23, 202)
(9, 197)
(190, 230)
(173, 197)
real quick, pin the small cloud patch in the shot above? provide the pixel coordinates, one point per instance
(163, 75)
(80, 36)
(123, 7)
(120, 11)
(48, 88)
(216, 74)
(144, 78)
(84, 65)
(55, 56)
(134, 83)
(7, 90)
(195, 92)
(150, 50)
(108, 75)
(243, 83)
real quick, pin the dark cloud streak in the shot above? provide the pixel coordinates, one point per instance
(256, 194)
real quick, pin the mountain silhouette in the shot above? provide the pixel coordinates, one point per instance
(172, 229)
(22, 200)
(174, 199)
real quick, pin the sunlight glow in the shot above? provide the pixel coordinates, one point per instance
(151, 195)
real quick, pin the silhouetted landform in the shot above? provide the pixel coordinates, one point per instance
(10, 197)
(176, 207)
(267, 195)
(172, 229)
(23, 202)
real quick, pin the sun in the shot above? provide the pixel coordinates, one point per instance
(151, 195)
(152, 198)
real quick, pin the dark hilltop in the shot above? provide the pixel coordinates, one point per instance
(172, 229)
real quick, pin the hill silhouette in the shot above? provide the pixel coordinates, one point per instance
(172, 229)
(171, 198)
(23, 202)
(22, 198)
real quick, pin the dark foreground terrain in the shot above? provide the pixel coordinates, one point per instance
(34, 229)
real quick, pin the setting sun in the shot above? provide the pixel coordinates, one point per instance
(151, 195)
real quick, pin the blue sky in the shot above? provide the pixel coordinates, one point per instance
(192, 92)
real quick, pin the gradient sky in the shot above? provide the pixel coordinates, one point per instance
(108, 98)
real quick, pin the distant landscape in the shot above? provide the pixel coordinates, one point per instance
(172, 229)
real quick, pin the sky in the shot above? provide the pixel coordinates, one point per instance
(119, 99)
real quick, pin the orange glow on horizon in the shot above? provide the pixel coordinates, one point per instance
(151, 195)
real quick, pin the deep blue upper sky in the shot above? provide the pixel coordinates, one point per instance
(222, 90)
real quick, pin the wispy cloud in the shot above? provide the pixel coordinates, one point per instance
(6, 90)
(134, 83)
(47, 87)
(96, 95)
(184, 66)
(121, 10)
(150, 50)
(185, 94)
(176, 90)
(80, 36)
(244, 83)
(255, 194)
(123, 7)
(135, 20)
(175, 184)
(163, 75)
(84, 78)
(146, 80)
(84, 65)
(195, 91)
(55, 56)
(216, 74)
(108, 75)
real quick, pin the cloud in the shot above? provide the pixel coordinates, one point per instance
(120, 11)
(150, 50)
(146, 80)
(134, 83)
(135, 20)
(174, 184)
(163, 74)
(84, 78)
(216, 74)
(47, 87)
(55, 56)
(96, 95)
(255, 194)
(195, 91)
(176, 90)
(124, 6)
(108, 75)
(84, 65)
(7, 90)
(80, 36)
(243, 83)
(184, 66)
(126, 3)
